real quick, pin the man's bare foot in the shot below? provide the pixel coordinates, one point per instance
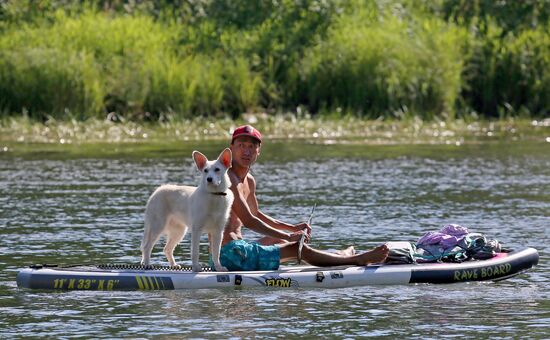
(377, 255)
(349, 251)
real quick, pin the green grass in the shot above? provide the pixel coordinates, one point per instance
(373, 67)
(93, 64)
(177, 60)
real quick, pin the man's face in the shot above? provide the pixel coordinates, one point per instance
(245, 151)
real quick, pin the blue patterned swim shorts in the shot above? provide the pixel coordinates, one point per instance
(240, 255)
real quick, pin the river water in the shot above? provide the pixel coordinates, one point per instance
(89, 209)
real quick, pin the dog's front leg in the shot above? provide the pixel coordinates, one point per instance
(195, 248)
(215, 246)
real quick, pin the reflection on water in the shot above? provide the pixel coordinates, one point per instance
(86, 210)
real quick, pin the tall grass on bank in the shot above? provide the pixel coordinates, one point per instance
(50, 81)
(95, 63)
(381, 65)
(186, 58)
(508, 76)
(196, 85)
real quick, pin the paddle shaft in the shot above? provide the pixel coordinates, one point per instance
(303, 238)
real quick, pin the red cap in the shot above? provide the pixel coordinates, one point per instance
(247, 130)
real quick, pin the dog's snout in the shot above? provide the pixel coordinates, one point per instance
(209, 179)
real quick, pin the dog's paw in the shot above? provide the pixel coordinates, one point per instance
(221, 269)
(197, 268)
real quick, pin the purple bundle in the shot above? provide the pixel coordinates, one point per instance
(448, 237)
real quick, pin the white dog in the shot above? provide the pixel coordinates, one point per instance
(171, 209)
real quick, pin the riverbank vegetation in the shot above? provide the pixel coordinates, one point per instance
(318, 130)
(182, 60)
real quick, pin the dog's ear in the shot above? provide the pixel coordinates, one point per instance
(225, 158)
(200, 160)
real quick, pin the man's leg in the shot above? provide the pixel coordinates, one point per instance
(315, 257)
(269, 241)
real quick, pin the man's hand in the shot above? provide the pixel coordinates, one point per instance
(305, 227)
(297, 235)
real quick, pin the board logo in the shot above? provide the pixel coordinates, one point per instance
(222, 278)
(482, 273)
(336, 275)
(278, 282)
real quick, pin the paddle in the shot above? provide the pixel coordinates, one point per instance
(303, 238)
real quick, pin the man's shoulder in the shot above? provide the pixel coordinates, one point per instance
(250, 179)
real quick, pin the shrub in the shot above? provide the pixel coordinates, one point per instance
(377, 67)
(44, 82)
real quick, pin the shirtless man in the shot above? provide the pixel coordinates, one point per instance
(281, 241)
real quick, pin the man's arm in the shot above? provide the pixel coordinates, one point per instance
(243, 211)
(277, 224)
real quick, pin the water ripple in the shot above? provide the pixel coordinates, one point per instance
(91, 210)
